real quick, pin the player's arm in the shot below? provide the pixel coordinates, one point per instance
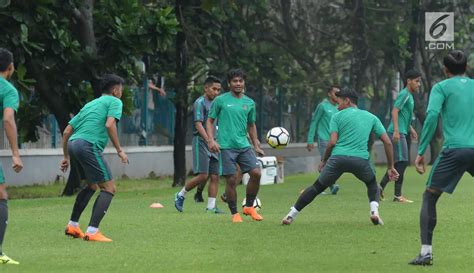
(252, 130)
(387, 145)
(312, 128)
(11, 132)
(67, 133)
(201, 130)
(413, 133)
(211, 143)
(331, 144)
(111, 126)
(396, 132)
(152, 86)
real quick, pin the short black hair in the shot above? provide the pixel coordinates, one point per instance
(332, 87)
(6, 58)
(455, 61)
(108, 81)
(412, 74)
(211, 79)
(348, 93)
(237, 72)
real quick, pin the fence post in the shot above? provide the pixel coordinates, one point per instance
(54, 129)
(260, 113)
(298, 111)
(280, 105)
(145, 112)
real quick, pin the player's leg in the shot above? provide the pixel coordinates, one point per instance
(385, 179)
(330, 173)
(227, 162)
(401, 163)
(201, 160)
(247, 160)
(239, 181)
(4, 259)
(322, 145)
(445, 174)
(213, 186)
(200, 188)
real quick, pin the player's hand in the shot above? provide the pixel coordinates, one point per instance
(259, 151)
(17, 165)
(393, 175)
(420, 164)
(413, 135)
(213, 146)
(310, 147)
(321, 165)
(64, 164)
(396, 136)
(123, 156)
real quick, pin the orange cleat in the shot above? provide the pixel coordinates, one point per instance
(98, 237)
(74, 231)
(236, 218)
(252, 212)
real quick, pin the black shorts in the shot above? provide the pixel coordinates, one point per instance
(449, 167)
(88, 158)
(339, 164)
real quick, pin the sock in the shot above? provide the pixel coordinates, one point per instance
(82, 199)
(74, 224)
(3, 221)
(249, 199)
(309, 194)
(92, 230)
(182, 192)
(232, 206)
(101, 205)
(400, 167)
(293, 212)
(374, 207)
(426, 249)
(428, 217)
(211, 202)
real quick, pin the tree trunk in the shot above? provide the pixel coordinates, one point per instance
(181, 103)
(359, 47)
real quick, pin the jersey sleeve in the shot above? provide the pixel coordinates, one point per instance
(198, 110)
(435, 104)
(115, 109)
(11, 99)
(314, 123)
(333, 125)
(252, 115)
(74, 122)
(378, 128)
(401, 100)
(215, 108)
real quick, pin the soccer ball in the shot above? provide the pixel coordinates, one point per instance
(257, 204)
(278, 138)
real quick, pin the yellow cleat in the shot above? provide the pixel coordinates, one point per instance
(4, 259)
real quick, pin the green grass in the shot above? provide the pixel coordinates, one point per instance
(333, 234)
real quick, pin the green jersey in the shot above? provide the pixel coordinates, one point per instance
(321, 117)
(234, 115)
(405, 104)
(89, 123)
(353, 127)
(8, 96)
(454, 100)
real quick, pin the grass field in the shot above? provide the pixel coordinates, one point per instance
(333, 234)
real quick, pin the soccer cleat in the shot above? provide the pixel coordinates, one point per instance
(4, 259)
(236, 218)
(215, 211)
(334, 189)
(73, 231)
(401, 199)
(376, 220)
(287, 220)
(252, 212)
(224, 198)
(198, 197)
(422, 260)
(178, 202)
(97, 237)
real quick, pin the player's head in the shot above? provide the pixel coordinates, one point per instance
(212, 87)
(112, 84)
(455, 63)
(236, 80)
(413, 80)
(332, 90)
(6, 63)
(347, 97)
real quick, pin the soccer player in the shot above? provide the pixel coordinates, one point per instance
(453, 99)
(205, 163)
(236, 115)
(347, 151)
(84, 139)
(398, 130)
(9, 101)
(320, 122)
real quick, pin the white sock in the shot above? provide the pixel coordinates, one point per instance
(182, 192)
(426, 249)
(293, 212)
(74, 224)
(92, 230)
(374, 207)
(211, 202)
